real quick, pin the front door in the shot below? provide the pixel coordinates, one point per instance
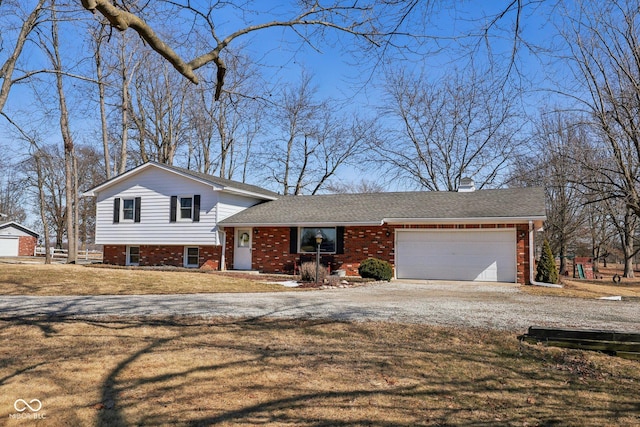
(242, 251)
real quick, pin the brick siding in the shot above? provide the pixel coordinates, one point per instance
(158, 255)
(271, 247)
(27, 245)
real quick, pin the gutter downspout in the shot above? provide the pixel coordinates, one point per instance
(223, 237)
(532, 280)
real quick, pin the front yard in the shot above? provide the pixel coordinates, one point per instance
(194, 371)
(190, 371)
(67, 279)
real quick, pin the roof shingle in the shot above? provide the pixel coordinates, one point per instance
(374, 208)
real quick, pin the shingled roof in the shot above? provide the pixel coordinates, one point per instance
(512, 204)
(225, 184)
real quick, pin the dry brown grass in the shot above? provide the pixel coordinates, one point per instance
(280, 372)
(595, 288)
(66, 279)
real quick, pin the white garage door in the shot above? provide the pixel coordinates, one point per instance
(9, 246)
(482, 255)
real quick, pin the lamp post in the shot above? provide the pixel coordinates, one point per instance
(318, 242)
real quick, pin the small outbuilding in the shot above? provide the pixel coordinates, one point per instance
(17, 240)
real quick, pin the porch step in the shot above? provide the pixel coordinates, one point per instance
(256, 272)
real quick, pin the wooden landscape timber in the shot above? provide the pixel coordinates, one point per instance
(621, 344)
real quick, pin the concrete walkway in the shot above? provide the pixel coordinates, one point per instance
(492, 306)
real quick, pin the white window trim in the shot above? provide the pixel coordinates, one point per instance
(186, 257)
(128, 255)
(179, 208)
(300, 251)
(133, 216)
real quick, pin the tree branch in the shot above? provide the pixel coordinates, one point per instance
(121, 20)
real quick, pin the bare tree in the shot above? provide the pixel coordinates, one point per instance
(294, 116)
(600, 231)
(604, 54)
(158, 104)
(361, 186)
(313, 140)
(12, 200)
(552, 162)
(224, 130)
(29, 23)
(71, 191)
(44, 165)
(625, 223)
(97, 37)
(89, 172)
(40, 185)
(442, 132)
(374, 24)
(341, 142)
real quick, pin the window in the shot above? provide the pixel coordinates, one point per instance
(185, 208)
(308, 239)
(133, 255)
(244, 240)
(191, 256)
(127, 209)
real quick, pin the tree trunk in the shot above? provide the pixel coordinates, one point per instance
(562, 271)
(628, 241)
(43, 215)
(103, 112)
(76, 204)
(125, 112)
(67, 140)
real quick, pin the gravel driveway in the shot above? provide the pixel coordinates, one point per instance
(496, 306)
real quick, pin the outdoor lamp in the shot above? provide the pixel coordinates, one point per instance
(318, 242)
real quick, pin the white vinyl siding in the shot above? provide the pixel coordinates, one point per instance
(155, 188)
(13, 231)
(231, 204)
(468, 255)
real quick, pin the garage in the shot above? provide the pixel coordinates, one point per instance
(469, 255)
(9, 245)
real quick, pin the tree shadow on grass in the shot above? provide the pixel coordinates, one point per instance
(196, 371)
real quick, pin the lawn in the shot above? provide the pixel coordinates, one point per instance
(190, 372)
(68, 279)
(594, 288)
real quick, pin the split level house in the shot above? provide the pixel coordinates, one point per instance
(157, 214)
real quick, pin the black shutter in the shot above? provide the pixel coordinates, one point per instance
(339, 240)
(196, 208)
(174, 207)
(116, 210)
(136, 209)
(293, 240)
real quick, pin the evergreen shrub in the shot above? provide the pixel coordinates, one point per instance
(547, 272)
(377, 269)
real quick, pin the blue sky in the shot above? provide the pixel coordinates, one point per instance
(335, 73)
